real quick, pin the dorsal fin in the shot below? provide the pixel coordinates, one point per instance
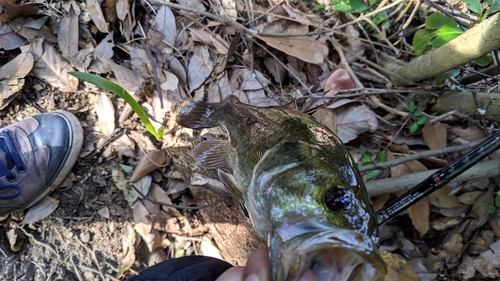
(197, 115)
(212, 154)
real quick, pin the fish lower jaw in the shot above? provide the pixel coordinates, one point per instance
(341, 257)
(334, 264)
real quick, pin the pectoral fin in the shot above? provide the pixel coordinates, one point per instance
(234, 189)
(212, 154)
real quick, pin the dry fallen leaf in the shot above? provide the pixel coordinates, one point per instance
(435, 136)
(51, 67)
(397, 268)
(9, 40)
(41, 210)
(97, 16)
(442, 198)
(301, 47)
(11, 75)
(105, 113)
(16, 239)
(143, 226)
(128, 257)
(165, 23)
(67, 38)
(353, 120)
(11, 11)
(199, 67)
(150, 162)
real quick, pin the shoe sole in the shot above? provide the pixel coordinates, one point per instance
(76, 143)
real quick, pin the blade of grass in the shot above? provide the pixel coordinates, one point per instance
(119, 91)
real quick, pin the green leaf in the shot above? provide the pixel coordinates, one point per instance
(438, 21)
(418, 113)
(484, 60)
(443, 76)
(494, 7)
(413, 128)
(490, 209)
(319, 7)
(422, 41)
(445, 35)
(349, 6)
(382, 157)
(119, 91)
(373, 174)
(497, 201)
(411, 106)
(474, 5)
(366, 158)
(422, 120)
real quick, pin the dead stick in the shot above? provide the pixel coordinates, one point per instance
(390, 185)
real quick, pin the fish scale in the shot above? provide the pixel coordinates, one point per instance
(300, 186)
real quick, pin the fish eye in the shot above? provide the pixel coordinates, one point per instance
(337, 198)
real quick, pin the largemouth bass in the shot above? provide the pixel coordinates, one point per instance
(301, 187)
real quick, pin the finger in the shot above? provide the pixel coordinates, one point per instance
(258, 267)
(232, 274)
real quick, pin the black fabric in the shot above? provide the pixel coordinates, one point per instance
(192, 268)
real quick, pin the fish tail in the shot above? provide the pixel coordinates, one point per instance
(198, 115)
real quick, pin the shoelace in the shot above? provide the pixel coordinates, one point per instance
(12, 158)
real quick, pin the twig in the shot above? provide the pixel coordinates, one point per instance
(390, 185)
(417, 156)
(152, 200)
(292, 73)
(94, 257)
(370, 14)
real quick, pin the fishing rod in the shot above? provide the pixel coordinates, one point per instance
(438, 179)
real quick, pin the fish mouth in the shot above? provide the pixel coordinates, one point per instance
(333, 255)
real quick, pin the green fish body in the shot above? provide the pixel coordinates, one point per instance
(300, 186)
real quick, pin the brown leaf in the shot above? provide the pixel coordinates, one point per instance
(9, 40)
(12, 11)
(199, 67)
(161, 196)
(67, 38)
(453, 246)
(353, 120)
(397, 268)
(110, 10)
(435, 136)
(41, 210)
(301, 47)
(128, 258)
(327, 117)
(442, 198)
(52, 68)
(11, 75)
(165, 23)
(379, 201)
(96, 15)
(419, 214)
(339, 80)
(143, 226)
(149, 162)
(105, 113)
(16, 239)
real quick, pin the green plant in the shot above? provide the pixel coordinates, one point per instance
(483, 8)
(421, 119)
(439, 30)
(491, 209)
(366, 160)
(351, 6)
(119, 91)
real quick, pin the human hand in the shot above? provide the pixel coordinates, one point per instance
(258, 268)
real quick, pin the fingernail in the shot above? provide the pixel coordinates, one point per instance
(252, 277)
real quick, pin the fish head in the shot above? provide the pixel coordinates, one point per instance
(311, 204)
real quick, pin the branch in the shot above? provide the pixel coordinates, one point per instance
(472, 44)
(390, 185)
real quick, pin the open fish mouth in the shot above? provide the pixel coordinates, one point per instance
(333, 255)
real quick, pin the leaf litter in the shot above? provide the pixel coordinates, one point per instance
(286, 56)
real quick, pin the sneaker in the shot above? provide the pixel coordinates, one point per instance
(36, 155)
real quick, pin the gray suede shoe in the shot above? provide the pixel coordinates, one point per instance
(36, 155)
